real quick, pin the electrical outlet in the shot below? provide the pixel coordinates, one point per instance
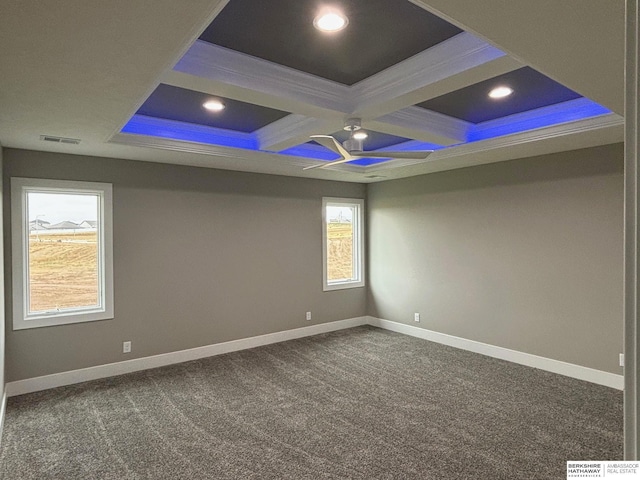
(308, 315)
(416, 317)
(622, 359)
(126, 347)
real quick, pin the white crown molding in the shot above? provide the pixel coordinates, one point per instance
(316, 105)
(228, 67)
(215, 156)
(450, 65)
(577, 127)
(447, 58)
(293, 130)
(539, 134)
(423, 76)
(243, 160)
(570, 109)
(237, 154)
(143, 122)
(251, 158)
(413, 121)
(321, 106)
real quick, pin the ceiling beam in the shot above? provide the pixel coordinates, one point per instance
(422, 124)
(321, 106)
(456, 63)
(220, 71)
(294, 130)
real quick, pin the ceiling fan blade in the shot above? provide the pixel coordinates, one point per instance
(332, 144)
(407, 154)
(328, 164)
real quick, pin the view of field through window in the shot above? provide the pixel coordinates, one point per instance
(63, 251)
(340, 261)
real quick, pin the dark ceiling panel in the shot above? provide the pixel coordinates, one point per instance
(380, 34)
(173, 103)
(531, 90)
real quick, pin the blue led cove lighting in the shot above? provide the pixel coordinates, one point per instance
(570, 111)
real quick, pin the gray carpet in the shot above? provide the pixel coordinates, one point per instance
(361, 404)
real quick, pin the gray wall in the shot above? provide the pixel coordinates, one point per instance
(526, 254)
(201, 256)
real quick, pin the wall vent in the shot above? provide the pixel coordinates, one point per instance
(374, 176)
(51, 138)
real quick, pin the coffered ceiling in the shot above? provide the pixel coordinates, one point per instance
(129, 80)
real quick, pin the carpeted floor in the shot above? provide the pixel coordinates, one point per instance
(362, 403)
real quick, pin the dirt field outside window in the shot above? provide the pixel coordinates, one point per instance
(339, 251)
(63, 271)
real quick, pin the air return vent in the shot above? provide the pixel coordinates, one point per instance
(51, 138)
(374, 176)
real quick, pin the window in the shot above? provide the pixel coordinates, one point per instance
(342, 243)
(62, 255)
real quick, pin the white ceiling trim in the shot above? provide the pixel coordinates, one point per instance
(384, 101)
(321, 106)
(229, 67)
(293, 130)
(207, 149)
(578, 108)
(608, 121)
(256, 97)
(428, 75)
(148, 124)
(422, 124)
(251, 160)
(190, 132)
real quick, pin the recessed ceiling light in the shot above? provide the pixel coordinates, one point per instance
(213, 105)
(360, 135)
(330, 21)
(500, 92)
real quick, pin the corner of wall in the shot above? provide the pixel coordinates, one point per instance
(3, 390)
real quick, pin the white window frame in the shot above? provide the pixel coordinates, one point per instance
(20, 245)
(358, 243)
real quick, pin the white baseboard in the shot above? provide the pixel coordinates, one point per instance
(3, 410)
(45, 382)
(555, 366)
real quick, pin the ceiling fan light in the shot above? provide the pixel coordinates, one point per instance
(501, 92)
(330, 21)
(360, 135)
(213, 105)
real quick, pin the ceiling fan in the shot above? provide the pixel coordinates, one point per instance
(351, 149)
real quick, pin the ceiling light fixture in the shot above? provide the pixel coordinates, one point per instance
(501, 92)
(360, 135)
(213, 105)
(330, 21)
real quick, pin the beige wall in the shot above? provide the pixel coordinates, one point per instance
(526, 254)
(201, 256)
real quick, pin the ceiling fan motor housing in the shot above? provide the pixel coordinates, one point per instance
(352, 145)
(352, 124)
